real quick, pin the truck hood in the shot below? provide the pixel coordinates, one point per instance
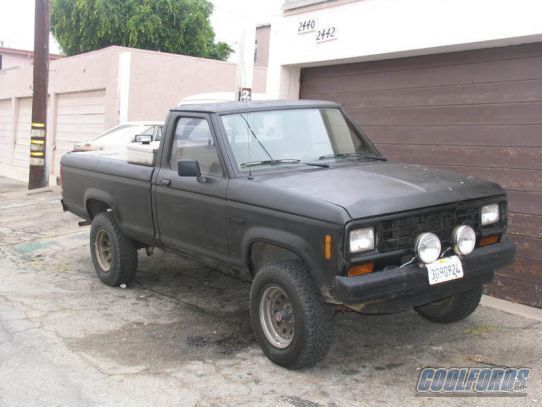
(380, 188)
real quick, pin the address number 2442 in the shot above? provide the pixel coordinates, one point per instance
(325, 34)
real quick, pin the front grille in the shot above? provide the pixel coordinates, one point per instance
(400, 233)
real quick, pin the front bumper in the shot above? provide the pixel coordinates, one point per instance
(400, 288)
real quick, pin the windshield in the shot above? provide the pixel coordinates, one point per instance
(266, 139)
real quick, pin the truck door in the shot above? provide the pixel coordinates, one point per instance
(191, 212)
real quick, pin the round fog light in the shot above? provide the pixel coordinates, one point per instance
(464, 240)
(427, 247)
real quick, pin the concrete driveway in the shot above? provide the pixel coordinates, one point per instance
(181, 334)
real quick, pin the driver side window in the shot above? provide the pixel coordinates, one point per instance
(193, 141)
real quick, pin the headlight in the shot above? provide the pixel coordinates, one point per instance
(362, 240)
(427, 247)
(464, 240)
(490, 214)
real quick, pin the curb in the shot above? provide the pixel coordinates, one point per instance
(512, 308)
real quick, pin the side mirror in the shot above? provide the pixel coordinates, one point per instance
(143, 138)
(188, 168)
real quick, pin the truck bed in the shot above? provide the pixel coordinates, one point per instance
(96, 178)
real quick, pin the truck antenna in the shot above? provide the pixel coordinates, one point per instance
(250, 177)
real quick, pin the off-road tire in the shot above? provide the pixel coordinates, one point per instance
(313, 324)
(123, 251)
(452, 309)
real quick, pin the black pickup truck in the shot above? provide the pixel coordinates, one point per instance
(292, 196)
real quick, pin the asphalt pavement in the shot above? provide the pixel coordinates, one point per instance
(180, 334)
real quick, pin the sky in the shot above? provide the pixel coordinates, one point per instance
(17, 21)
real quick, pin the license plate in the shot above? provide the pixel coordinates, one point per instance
(446, 269)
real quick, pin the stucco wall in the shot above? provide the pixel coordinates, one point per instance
(263, 35)
(12, 57)
(158, 81)
(90, 71)
(138, 85)
(86, 72)
(10, 61)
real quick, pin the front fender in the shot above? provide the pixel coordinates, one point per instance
(312, 256)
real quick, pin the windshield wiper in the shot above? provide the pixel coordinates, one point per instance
(374, 157)
(271, 162)
(316, 164)
(282, 161)
(361, 155)
(325, 157)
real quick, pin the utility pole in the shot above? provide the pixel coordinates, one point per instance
(38, 177)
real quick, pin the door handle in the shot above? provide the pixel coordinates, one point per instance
(237, 220)
(165, 181)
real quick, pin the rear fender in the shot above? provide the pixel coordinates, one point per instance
(100, 195)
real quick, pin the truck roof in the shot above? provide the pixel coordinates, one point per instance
(232, 107)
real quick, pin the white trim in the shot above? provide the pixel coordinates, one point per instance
(125, 59)
(427, 51)
(297, 4)
(245, 63)
(372, 30)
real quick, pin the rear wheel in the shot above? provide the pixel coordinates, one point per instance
(114, 255)
(291, 321)
(452, 309)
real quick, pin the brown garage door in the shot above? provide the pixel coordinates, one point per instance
(475, 112)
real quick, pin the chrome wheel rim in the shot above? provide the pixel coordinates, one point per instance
(277, 317)
(103, 251)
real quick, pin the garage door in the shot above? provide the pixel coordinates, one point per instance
(475, 112)
(6, 142)
(22, 140)
(80, 116)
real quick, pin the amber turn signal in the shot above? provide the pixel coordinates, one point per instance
(327, 247)
(361, 269)
(486, 241)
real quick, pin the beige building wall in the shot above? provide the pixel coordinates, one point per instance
(92, 92)
(175, 77)
(11, 61)
(263, 37)
(12, 57)
(85, 73)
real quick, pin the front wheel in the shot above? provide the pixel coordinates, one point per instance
(114, 255)
(291, 321)
(452, 309)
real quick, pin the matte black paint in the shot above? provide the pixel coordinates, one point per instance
(410, 285)
(217, 219)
